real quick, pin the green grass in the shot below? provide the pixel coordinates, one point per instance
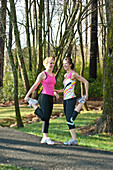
(58, 129)
(9, 167)
(7, 114)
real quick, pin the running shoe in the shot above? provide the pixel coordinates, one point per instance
(47, 141)
(71, 142)
(82, 99)
(32, 101)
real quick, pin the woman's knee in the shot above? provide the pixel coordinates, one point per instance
(70, 123)
(71, 126)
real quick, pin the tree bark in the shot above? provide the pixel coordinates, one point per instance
(105, 123)
(81, 46)
(34, 31)
(94, 42)
(44, 32)
(18, 44)
(2, 37)
(86, 36)
(48, 30)
(16, 102)
(28, 34)
(40, 63)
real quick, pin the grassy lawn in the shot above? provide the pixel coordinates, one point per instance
(7, 114)
(58, 129)
(9, 167)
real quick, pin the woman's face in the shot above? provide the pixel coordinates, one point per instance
(66, 65)
(50, 64)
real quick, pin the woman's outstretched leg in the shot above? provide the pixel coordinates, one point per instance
(78, 108)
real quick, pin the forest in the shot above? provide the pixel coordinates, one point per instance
(31, 30)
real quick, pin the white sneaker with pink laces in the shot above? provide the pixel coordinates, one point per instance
(47, 141)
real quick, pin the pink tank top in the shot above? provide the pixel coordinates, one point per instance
(48, 84)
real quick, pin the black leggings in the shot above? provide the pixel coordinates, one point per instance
(69, 106)
(45, 110)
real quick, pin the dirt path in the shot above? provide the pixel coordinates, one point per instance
(24, 150)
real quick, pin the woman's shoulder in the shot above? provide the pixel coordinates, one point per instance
(42, 75)
(74, 72)
(65, 75)
(74, 75)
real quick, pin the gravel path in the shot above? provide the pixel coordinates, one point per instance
(24, 150)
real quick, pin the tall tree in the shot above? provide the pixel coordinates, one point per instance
(48, 29)
(2, 37)
(9, 47)
(35, 38)
(94, 42)
(102, 31)
(34, 32)
(44, 32)
(105, 123)
(28, 34)
(86, 36)
(81, 45)
(40, 54)
(18, 44)
(40, 44)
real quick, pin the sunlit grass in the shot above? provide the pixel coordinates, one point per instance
(9, 167)
(9, 112)
(58, 129)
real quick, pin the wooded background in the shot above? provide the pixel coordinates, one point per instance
(31, 30)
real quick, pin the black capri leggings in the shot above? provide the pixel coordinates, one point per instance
(69, 106)
(45, 110)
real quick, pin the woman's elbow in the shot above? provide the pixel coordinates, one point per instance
(87, 83)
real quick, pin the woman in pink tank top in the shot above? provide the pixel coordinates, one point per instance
(45, 100)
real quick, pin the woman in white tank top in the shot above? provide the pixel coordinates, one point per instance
(70, 111)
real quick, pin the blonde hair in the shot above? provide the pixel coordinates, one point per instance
(47, 60)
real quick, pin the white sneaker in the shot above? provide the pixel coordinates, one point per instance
(82, 99)
(32, 101)
(47, 141)
(71, 142)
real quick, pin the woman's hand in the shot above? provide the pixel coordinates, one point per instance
(55, 93)
(26, 98)
(59, 91)
(86, 97)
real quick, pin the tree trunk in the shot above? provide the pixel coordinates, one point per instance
(81, 51)
(44, 32)
(86, 36)
(94, 42)
(2, 37)
(81, 47)
(18, 44)
(103, 32)
(48, 29)
(34, 31)
(28, 34)
(105, 123)
(40, 46)
(17, 110)
(40, 38)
